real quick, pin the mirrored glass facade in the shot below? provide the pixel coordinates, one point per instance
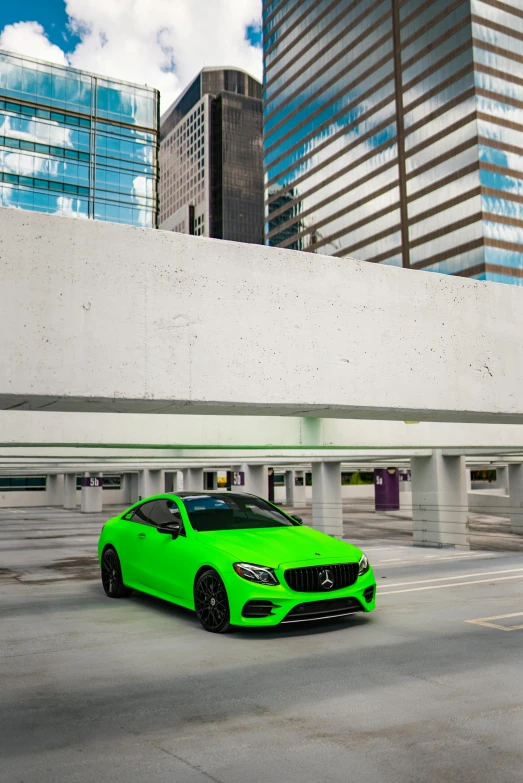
(394, 132)
(76, 144)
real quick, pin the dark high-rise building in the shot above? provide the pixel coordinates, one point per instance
(77, 144)
(211, 158)
(394, 132)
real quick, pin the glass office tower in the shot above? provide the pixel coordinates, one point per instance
(76, 144)
(211, 158)
(394, 132)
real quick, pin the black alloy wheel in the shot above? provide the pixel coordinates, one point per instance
(211, 602)
(112, 575)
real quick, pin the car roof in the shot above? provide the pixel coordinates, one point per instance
(211, 493)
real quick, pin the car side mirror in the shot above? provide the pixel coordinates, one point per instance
(297, 519)
(171, 529)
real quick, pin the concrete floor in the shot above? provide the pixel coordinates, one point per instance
(135, 690)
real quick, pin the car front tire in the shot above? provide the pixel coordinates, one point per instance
(211, 602)
(112, 579)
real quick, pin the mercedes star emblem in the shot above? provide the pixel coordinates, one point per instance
(326, 579)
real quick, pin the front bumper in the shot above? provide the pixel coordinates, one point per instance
(266, 605)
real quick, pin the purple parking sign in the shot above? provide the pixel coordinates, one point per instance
(386, 489)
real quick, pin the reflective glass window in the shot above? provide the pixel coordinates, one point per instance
(436, 102)
(496, 38)
(425, 156)
(440, 220)
(457, 261)
(501, 257)
(446, 242)
(318, 93)
(497, 15)
(441, 28)
(299, 127)
(302, 15)
(323, 53)
(449, 191)
(444, 169)
(438, 76)
(443, 51)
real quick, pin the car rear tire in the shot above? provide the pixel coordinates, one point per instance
(211, 602)
(112, 580)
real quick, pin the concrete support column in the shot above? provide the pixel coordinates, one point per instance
(133, 482)
(126, 487)
(150, 482)
(289, 488)
(193, 479)
(327, 509)
(439, 501)
(55, 490)
(515, 477)
(469, 480)
(299, 489)
(502, 478)
(70, 490)
(256, 480)
(92, 489)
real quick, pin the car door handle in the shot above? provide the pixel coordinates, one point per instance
(141, 535)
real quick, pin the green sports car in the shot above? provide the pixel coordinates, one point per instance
(233, 558)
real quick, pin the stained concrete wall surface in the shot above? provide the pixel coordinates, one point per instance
(489, 501)
(126, 319)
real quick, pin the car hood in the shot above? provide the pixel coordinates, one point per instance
(277, 546)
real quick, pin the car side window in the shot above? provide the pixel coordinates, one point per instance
(166, 510)
(143, 513)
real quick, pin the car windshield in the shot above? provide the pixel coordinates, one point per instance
(232, 512)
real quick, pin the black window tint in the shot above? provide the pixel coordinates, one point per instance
(165, 511)
(232, 512)
(144, 513)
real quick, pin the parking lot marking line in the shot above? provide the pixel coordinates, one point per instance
(471, 556)
(454, 584)
(485, 621)
(454, 576)
(392, 546)
(403, 562)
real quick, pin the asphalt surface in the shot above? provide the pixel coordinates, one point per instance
(134, 690)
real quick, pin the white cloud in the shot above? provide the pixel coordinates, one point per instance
(29, 38)
(163, 43)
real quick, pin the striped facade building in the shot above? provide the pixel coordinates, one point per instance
(393, 132)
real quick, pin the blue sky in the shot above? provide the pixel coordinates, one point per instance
(50, 13)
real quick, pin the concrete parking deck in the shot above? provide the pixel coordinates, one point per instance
(135, 690)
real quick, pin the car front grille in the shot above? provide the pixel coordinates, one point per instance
(322, 610)
(320, 579)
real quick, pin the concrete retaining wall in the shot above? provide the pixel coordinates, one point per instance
(489, 501)
(134, 320)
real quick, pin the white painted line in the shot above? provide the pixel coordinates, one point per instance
(406, 562)
(454, 576)
(485, 622)
(467, 555)
(454, 584)
(387, 548)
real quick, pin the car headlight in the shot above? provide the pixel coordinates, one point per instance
(364, 565)
(255, 573)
